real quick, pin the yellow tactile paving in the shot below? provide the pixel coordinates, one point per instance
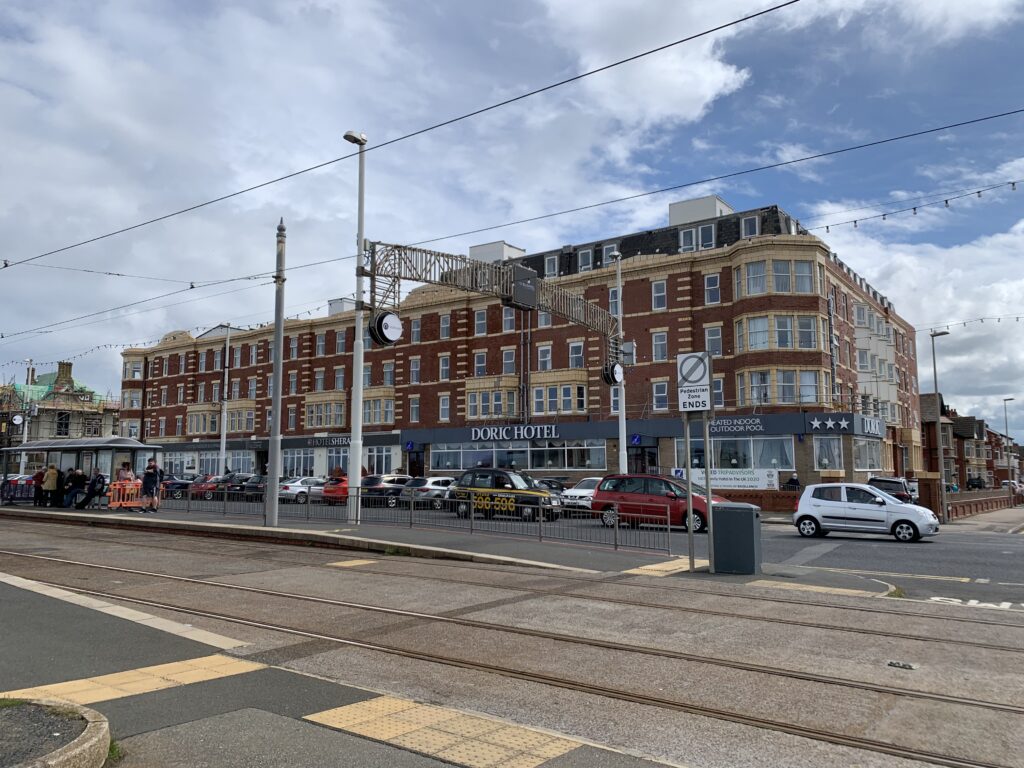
(143, 680)
(667, 568)
(811, 588)
(475, 742)
(352, 563)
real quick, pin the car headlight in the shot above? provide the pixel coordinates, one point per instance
(555, 501)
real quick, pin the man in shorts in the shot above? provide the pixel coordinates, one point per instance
(151, 479)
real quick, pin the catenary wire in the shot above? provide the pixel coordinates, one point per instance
(404, 137)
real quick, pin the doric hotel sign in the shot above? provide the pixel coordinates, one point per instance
(519, 432)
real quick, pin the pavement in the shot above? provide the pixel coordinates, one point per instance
(177, 698)
(451, 543)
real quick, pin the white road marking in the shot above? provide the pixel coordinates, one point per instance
(1006, 606)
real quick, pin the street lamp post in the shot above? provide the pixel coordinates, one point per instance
(943, 514)
(355, 453)
(1006, 452)
(28, 415)
(623, 461)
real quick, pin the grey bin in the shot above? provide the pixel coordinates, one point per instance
(736, 538)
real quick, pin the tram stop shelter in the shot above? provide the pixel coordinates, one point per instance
(85, 454)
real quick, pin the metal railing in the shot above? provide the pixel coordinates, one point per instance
(645, 526)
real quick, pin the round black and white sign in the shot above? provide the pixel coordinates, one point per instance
(17, 419)
(386, 328)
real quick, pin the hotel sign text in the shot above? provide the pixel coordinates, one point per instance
(520, 432)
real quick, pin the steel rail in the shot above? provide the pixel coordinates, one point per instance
(678, 588)
(816, 734)
(559, 637)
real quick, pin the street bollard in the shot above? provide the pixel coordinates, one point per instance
(668, 527)
(224, 502)
(472, 510)
(188, 500)
(309, 499)
(615, 532)
(540, 522)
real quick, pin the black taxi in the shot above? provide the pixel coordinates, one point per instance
(491, 492)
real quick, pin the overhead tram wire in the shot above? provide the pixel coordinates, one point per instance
(413, 134)
(733, 174)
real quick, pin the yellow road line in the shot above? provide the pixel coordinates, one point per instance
(134, 681)
(667, 568)
(469, 740)
(352, 563)
(961, 579)
(811, 588)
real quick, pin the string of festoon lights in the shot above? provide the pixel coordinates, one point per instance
(947, 325)
(942, 200)
(148, 342)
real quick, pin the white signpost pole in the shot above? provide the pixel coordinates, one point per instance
(694, 383)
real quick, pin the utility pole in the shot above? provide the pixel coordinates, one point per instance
(224, 402)
(28, 415)
(274, 467)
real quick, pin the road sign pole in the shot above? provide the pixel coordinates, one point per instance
(708, 453)
(689, 488)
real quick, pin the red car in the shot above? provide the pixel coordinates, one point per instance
(336, 491)
(637, 499)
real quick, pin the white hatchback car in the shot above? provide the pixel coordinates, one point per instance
(860, 508)
(578, 497)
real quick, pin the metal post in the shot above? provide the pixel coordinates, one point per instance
(615, 532)
(708, 462)
(943, 512)
(28, 416)
(1006, 453)
(355, 456)
(689, 488)
(623, 461)
(274, 463)
(224, 402)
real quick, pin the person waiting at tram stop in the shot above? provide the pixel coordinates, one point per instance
(75, 483)
(95, 488)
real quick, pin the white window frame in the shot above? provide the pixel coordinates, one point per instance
(713, 340)
(705, 237)
(508, 361)
(576, 355)
(752, 231)
(585, 260)
(508, 319)
(659, 346)
(444, 367)
(712, 289)
(444, 408)
(479, 363)
(480, 319)
(659, 290)
(687, 234)
(544, 362)
(445, 329)
(659, 391)
(551, 266)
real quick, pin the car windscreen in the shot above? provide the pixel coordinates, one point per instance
(586, 485)
(371, 480)
(888, 499)
(519, 482)
(416, 482)
(290, 481)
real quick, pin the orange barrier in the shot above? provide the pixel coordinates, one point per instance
(124, 493)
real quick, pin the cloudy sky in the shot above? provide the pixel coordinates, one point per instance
(118, 112)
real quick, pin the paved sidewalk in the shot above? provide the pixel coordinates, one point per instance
(1010, 520)
(173, 701)
(461, 545)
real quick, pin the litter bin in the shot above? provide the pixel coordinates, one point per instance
(736, 538)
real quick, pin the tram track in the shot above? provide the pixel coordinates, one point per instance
(630, 648)
(580, 686)
(615, 580)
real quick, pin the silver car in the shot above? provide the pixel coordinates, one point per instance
(860, 508)
(300, 489)
(424, 492)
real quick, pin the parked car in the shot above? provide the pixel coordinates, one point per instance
(860, 508)
(383, 490)
(1012, 484)
(915, 491)
(213, 487)
(493, 492)
(236, 486)
(551, 484)
(177, 486)
(894, 486)
(254, 487)
(336, 490)
(579, 496)
(423, 492)
(976, 483)
(637, 499)
(301, 489)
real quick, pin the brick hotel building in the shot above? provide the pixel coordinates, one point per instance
(814, 371)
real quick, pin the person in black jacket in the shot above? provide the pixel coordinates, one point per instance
(151, 479)
(96, 487)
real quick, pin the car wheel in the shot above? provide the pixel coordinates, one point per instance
(905, 531)
(392, 501)
(435, 504)
(300, 498)
(208, 495)
(462, 508)
(608, 517)
(808, 526)
(177, 494)
(699, 524)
